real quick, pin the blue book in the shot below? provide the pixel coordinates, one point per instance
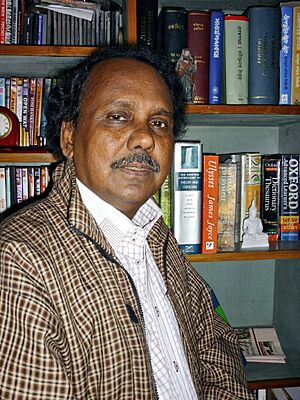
(264, 44)
(285, 58)
(46, 91)
(216, 56)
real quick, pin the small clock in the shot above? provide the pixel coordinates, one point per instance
(9, 128)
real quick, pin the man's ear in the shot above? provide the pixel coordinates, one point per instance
(67, 139)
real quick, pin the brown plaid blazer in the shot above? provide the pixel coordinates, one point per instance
(70, 321)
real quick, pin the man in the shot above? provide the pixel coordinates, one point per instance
(97, 302)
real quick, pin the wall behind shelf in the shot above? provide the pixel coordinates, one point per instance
(245, 290)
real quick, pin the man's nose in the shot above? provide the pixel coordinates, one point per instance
(141, 137)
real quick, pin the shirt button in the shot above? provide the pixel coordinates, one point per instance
(157, 311)
(176, 366)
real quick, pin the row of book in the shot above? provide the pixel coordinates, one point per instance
(19, 184)
(27, 98)
(206, 198)
(60, 22)
(252, 58)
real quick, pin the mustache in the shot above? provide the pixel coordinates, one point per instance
(140, 158)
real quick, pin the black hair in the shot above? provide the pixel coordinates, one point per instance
(64, 99)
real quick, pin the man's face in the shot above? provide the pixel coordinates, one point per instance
(123, 143)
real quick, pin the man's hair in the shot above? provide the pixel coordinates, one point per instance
(64, 99)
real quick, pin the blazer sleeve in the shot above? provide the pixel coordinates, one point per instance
(33, 350)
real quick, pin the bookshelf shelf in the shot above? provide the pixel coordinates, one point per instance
(26, 157)
(277, 251)
(40, 51)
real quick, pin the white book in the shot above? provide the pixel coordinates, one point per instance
(2, 190)
(260, 344)
(187, 183)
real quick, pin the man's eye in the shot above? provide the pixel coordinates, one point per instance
(116, 117)
(159, 124)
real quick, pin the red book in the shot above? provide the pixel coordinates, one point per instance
(2, 21)
(198, 42)
(210, 192)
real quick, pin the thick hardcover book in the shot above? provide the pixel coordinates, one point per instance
(289, 199)
(285, 55)
(235, 159)
(227, 205)
(165, 200)
(210, 194)
(216, 56)
(236, 35)
(147, 17)
(198, 42)
(38, 111)
(172, 31)
(187, 188)
(295, 89)
(270, 195)
(264, 39)
(250, 185)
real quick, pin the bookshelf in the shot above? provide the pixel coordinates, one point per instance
(254, 287)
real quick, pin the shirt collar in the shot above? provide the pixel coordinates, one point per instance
(104, 212)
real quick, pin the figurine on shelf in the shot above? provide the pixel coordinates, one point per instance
(253, 230)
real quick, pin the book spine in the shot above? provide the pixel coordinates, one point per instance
(270, 196)
(2, 21)
(2, 92)
(30, 182)
(46, 91)
(215, 57)
(187, 189)
(24, 171)
(295, 89)
(285, 55)
(37, 181)
(210, 193)
(8, 31)
(13, 193)
(8, 188)
(250, 185)
(31, 115)
(173, 31)
(19, 98)
(38, 111)
(165, 200)
(13, 94)
(289, 198)
(198, 42)
(2, 190)
(25, 105)
(147, 15)
(226, 207)
(19, 185)
(264, 38)
(7, 92)
(236, 32)
(14, 22)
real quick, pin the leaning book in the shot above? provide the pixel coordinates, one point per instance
(260, 344)
(187, 189)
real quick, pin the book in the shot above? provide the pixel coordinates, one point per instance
(38, 111)
(260, 344)
(172, 24)
(8, 28)
(226, 207)
(31, 109)
(270, 195)
(235, 159)
(250, 185)
(146, 22)
(236, 33)
(295, 85)
(210, 201)
(285, 55)
(2, 190)
(264, 39)
(2, 21)
(289, 197)
(187, 188)
(216, 57)
(198, 42)
(2, 92)
(165, 195)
